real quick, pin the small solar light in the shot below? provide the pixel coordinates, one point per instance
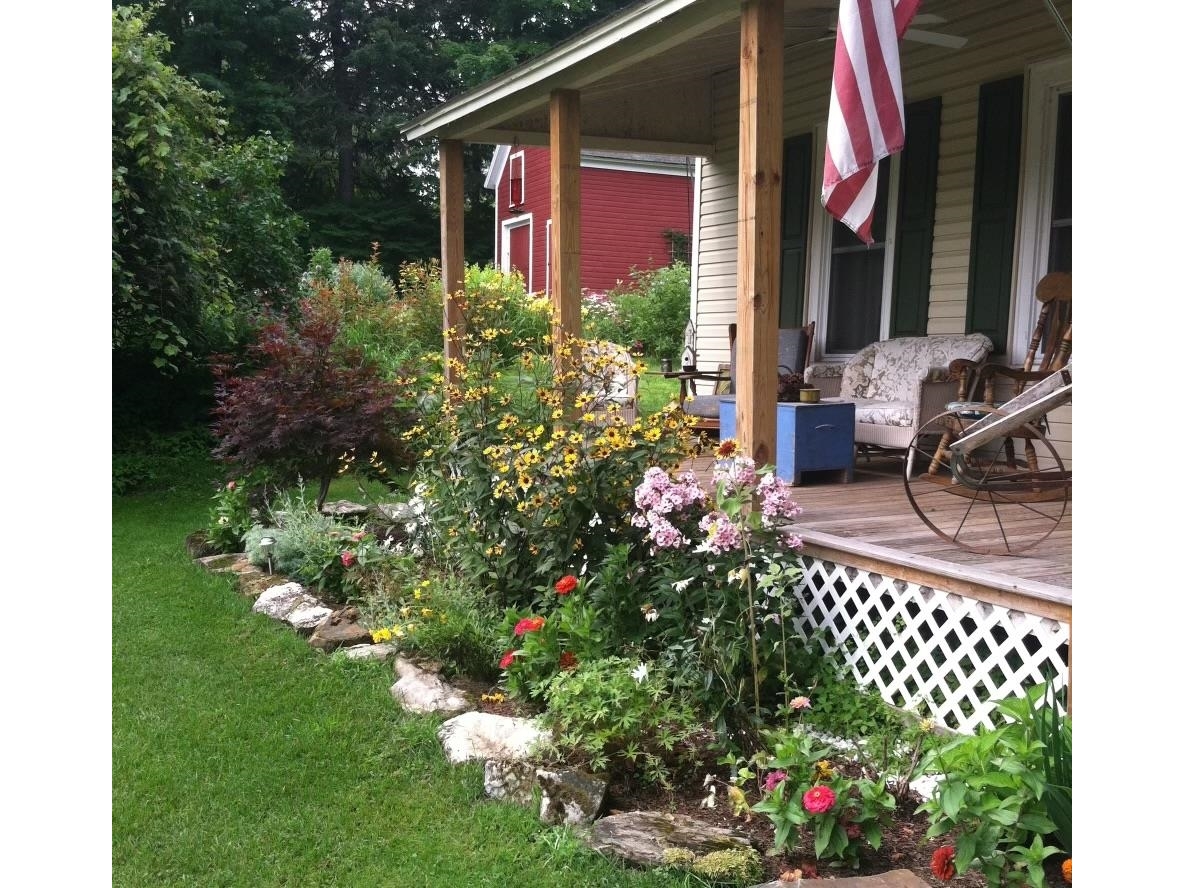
(266, 544)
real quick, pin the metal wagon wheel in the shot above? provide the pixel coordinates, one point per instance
(992, 501)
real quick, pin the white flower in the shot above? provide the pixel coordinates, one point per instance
(738, 576)
(595, 520)
(641, 673)
(651, 615)
(223, 520)
(681, 585)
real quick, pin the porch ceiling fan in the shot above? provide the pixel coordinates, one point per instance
(917, 35)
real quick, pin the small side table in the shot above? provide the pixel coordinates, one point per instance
(810, 437)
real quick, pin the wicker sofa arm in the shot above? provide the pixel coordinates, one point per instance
(826, 377)
(937, 390)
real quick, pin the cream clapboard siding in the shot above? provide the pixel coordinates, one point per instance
(1003, 39)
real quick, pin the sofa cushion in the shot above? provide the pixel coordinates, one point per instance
(702, 405)
(887, 413)
(898, 365)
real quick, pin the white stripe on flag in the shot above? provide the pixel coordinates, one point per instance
(866, 119)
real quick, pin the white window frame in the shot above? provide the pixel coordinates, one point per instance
(547, 262)
(1046, 82)
(518, 157)
(526, 220)
(818, 258)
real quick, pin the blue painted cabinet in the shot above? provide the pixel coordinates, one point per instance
(810, 437)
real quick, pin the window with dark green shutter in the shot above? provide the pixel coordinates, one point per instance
(996, 198)
(795, 221)
(915, 212)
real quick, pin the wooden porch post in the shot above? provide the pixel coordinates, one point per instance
(565, 217)
(758, 257)
(452, 249)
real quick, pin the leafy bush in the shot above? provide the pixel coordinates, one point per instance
(147, 460)
(230, 517)
(439, 615)
(653, 308)
(802, 789)
(993, 795)
(309, 401)
(524, 479)
(722, 571)
(618, 712)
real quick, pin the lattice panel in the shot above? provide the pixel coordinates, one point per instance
(938, 654)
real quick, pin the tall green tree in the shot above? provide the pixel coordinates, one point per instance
(199, 225)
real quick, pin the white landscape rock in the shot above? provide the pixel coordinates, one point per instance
(418, 690)
(382, 651)
(289, 602)
(483, 735)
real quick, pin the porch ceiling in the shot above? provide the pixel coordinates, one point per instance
(644, 77)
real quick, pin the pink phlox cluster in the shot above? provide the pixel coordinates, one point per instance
(740, 471)
(792, 541)
(657, 496)
(664, 534)
(722, 534)
(777, 503)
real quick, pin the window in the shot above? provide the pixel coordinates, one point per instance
(851, 283)
(517, 179)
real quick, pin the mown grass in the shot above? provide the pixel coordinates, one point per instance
(241, 756)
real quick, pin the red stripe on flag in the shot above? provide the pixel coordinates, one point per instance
(867, 127)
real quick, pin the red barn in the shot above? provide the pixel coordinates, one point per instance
(630, 206)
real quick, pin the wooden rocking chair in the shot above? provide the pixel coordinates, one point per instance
(983, 386)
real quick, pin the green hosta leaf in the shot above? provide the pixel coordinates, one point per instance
(952, 794)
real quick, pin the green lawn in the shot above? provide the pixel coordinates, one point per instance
(654, 391)
(241, 756)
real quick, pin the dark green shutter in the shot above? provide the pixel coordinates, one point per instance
(996, 196)
(795, 217)
(915, 211)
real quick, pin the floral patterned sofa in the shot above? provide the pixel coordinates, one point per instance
(897, 385)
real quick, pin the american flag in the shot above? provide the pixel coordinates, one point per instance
(866, 120)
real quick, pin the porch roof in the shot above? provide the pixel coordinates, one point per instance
(644, 77)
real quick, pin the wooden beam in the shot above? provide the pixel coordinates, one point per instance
(452, 250)
(565, 218)
(758, 259)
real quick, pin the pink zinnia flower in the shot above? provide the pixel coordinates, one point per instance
(230, 485)
(799, 703)
(348, 558)
(773, 778)
(818, 799)
(529, 624)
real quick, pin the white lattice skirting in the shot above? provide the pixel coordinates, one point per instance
(935, 653)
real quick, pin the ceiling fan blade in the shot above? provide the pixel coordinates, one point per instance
(928, 18)
(949, 41)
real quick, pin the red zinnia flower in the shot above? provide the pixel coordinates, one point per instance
(507, 660)
(818, 799)
(529, 624)
(566, 584)
(942, 864)
(348, 558)
(567, 660)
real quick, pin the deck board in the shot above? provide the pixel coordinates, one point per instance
(874, 509)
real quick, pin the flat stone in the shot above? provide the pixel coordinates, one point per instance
(418, 690)
(396, 512)
(570, 798)
(483, 735)
(307, 617)
(511, 781)
(290, 603)
(344, 509)
(643, 837)
(895, 879)
(382, 651)
(220, 563)
(340, 629)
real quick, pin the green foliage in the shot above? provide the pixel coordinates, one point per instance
(198, 224)
(143, 460)
(652, 308)
(230, 517)
(618, 712)
(994, 792)
(528, 471)
(721, 575)
(558, 633)
(439, 616)
(802, 789)
(730, 866)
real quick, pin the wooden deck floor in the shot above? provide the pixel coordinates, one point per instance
(872, 517)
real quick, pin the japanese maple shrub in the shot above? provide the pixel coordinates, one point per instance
(307, 401)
